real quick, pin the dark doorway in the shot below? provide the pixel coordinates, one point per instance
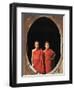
(44, 29)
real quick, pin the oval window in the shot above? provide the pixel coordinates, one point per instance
(42, 30)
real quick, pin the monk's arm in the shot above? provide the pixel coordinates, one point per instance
(33, 63)
(53, 56)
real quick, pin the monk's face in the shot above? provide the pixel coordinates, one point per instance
(46, 45)
(36, 45)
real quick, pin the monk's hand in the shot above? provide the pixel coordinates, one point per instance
(32, 65)
(52, 58)
(35, 71)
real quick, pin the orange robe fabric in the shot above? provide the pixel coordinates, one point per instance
(38, 60)
(48, 54)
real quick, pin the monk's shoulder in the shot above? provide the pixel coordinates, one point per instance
(44, 51)
(33, 50)
(41, 50)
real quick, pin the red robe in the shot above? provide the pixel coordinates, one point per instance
(37, 60)
(48, 54)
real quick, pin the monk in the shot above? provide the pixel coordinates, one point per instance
(37, 58)
(49, 55)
